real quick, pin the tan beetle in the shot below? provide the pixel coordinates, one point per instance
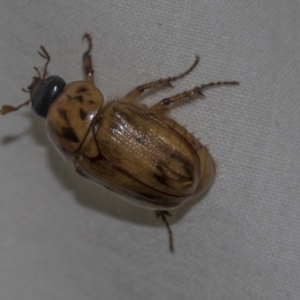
(130, 148)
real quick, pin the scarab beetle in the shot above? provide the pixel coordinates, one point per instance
(135, 150)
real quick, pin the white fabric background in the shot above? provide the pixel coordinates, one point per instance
(62, 237)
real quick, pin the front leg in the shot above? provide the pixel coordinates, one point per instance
(87, 61)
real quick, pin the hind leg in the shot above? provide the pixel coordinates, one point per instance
(163, 214)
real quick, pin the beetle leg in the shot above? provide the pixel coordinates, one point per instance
(136, 92)
(87, 60)
(163, 214)
(164, 103)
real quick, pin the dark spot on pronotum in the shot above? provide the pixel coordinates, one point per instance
(69, 134)
(91, 102)
(81, 89)
(82, 114)
(63, 114)
(68, 96)
(79, 98)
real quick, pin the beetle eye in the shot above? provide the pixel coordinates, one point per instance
(44, 92)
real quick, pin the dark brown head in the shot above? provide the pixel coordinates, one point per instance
(43, 90)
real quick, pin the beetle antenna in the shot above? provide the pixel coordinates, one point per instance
(45, 55)
(38, 71)
(162, 214)
(5, 109)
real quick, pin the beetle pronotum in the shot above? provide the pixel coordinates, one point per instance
(135, 150)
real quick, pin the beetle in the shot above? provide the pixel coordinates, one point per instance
(136, 150)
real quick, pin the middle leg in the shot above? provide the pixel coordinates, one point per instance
(164, 103)
(135, 93)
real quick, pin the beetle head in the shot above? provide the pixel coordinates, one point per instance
(43, 90)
